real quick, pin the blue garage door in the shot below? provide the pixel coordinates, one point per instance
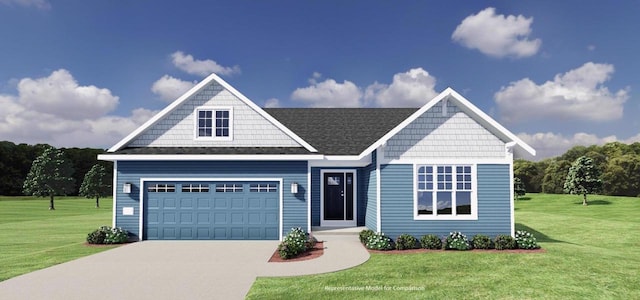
(211, 211)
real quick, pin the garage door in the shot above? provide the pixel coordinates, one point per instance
(212, 210)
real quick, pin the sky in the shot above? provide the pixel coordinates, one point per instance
(87, 73)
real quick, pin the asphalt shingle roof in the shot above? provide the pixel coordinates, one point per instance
(340, 131)
(214, 150)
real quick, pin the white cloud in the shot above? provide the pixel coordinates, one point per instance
(272, 103)
(552, 144)
(497, 35)
(574, 95)
(39, 4)
(60, 94)
(187, 63)
(329, 93)
(413, 88)
(170, 88)
(58, 111)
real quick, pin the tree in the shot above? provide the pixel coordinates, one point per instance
(50, 175)
(530, 173)
(518, 187)
(622, 176)
(93, 185)
(554, 177)
(583, 178)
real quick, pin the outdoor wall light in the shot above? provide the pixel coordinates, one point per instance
(294, 187)
(126, 188)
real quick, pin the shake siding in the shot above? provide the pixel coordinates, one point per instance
(250, 129)
(397, 204)
(454, 135)
(294, 208)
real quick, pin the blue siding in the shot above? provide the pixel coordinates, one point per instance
(294, 206)
(370, 193)
(315, 196)
(493, 204)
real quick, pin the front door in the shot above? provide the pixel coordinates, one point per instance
(338, 198)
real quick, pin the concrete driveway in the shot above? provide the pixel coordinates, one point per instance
(176, 270)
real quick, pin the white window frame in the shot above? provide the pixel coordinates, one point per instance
(213, 110)
(453, 215)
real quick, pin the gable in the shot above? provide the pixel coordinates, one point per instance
(452, 134)
(174, 126)
(177, 128)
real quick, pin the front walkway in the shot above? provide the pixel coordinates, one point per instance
(178, 270)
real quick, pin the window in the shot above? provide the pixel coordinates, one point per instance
(195, 188)
(228, 187)
(444, 191)
(213, 123)
(161, 188)
(262, 187)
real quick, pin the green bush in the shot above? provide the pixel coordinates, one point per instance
(481, 241)
(311, 241)
(406, 241)
(379, 241)
(365, 234)
(108, 235)
(294, 243)
(457, 241)
(431, 241)
(504, 242)
(526, 240)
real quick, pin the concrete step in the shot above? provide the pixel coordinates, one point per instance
(336, 230)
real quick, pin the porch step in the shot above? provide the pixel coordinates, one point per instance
(336, 230)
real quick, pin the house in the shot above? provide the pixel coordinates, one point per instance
(214, 165)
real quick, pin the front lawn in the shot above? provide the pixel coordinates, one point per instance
(592, 252)
(33, 237)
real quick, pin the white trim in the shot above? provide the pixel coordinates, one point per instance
(345, 223)
(213, 137)
(192, 179)
(207, 157)
(511, 196)
(341, 161)
(197, 88)
(308, 198)
(378, 192)
(464, 104)
(114, 201)
(444, 161)
(474, 194)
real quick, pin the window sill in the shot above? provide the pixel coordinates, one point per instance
(206, 139)
(446, 218)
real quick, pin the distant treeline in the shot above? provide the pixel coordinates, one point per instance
(618, 162)
(16, 160)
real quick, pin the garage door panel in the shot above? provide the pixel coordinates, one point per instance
(212, 210)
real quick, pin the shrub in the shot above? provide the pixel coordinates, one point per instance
(504, 242)
(365, 234)
(294, 243)
(406, 241)
(108, 235)
(526, 240)
(431, 241)
(379, 241)
(457, 241)
(481, 241)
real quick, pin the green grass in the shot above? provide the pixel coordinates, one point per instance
(33, 237)
(592, 252)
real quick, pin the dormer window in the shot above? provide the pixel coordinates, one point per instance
(214, 123)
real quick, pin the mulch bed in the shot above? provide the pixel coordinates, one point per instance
(316, 252)
(540, 250)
